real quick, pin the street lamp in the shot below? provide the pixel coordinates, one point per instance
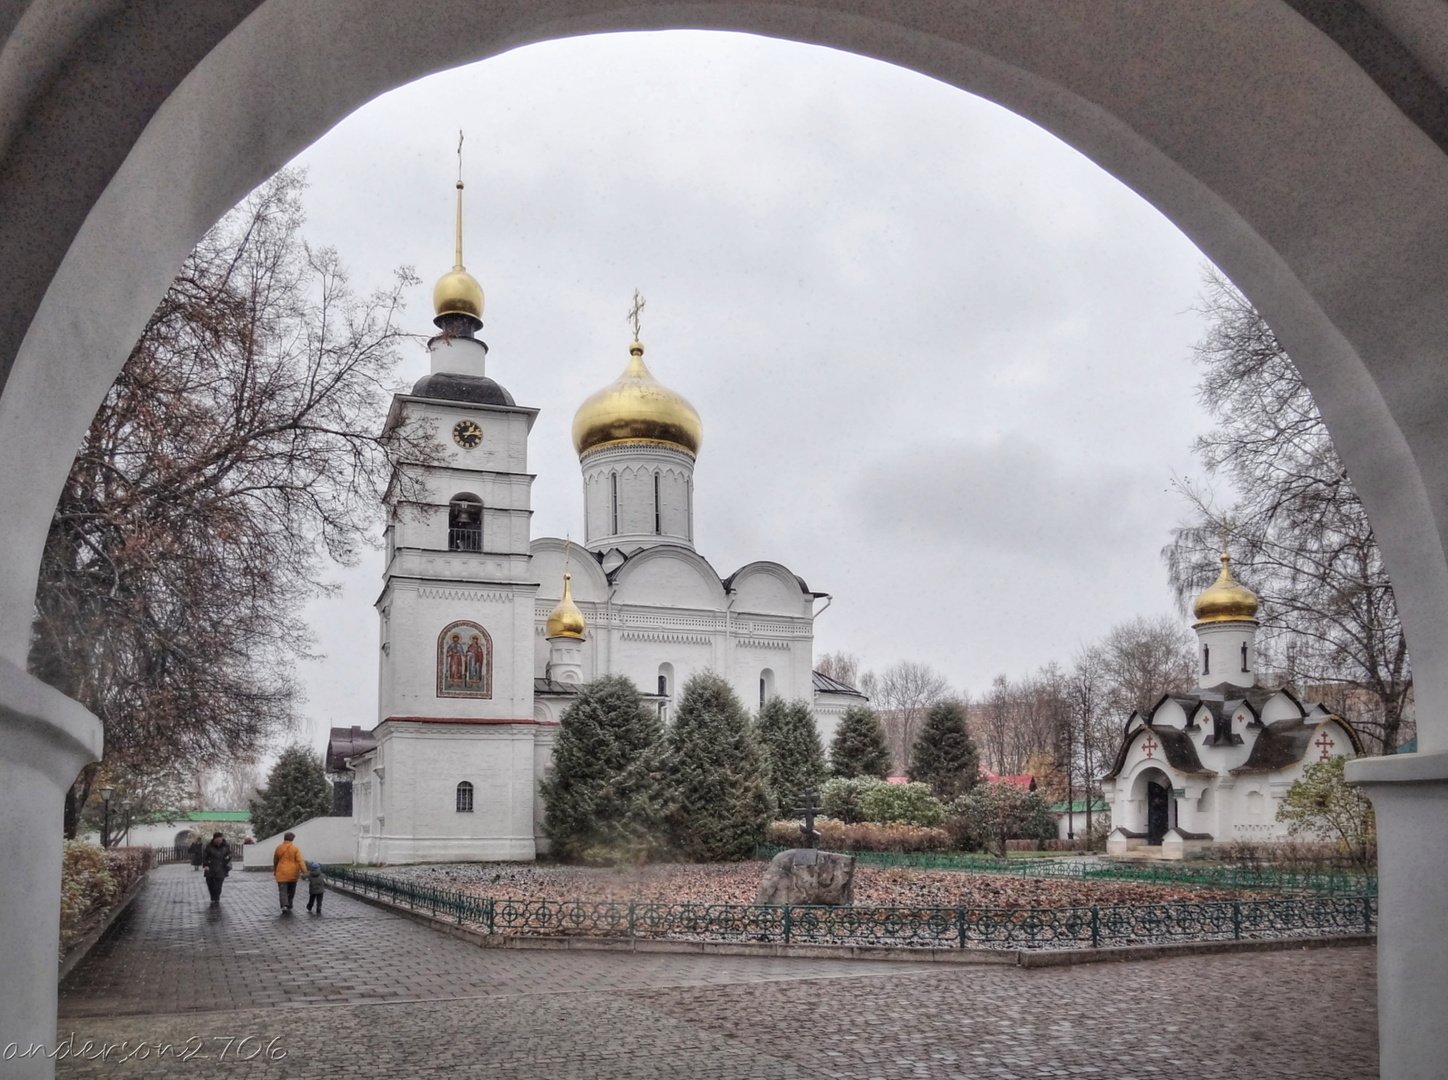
(106, 793)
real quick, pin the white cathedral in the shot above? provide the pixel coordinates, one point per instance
(487, 632)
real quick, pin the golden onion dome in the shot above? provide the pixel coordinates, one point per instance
(1226, 599)
(566, 620)
(636, 408)
(458, 293)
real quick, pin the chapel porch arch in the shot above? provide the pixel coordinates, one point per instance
(1323, 196)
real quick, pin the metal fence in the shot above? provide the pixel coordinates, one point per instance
(935, 927)
(1328, 881)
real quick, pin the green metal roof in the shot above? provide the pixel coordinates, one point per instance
(1077, 807)
(198, 815)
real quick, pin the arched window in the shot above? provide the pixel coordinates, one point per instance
(465, 798)
(613, 492)
(1244, 656)
(465, 523)
(658, 511)
(1206, 659)
(766, 686)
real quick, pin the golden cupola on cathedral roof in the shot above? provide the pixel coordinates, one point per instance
(635, 407)
(566, 620)
(1226, 599)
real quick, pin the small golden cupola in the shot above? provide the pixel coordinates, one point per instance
(1226, 599)
(566, 621)
(635, 407)
(457, 294)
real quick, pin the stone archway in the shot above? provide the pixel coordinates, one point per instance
(1309, 162)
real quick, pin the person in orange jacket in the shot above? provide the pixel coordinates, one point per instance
(287, 867)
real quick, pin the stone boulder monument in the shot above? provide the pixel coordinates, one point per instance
(807, 876)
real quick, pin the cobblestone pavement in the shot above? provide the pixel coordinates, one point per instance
(361, 992)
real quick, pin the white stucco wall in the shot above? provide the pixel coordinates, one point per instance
(323, 840)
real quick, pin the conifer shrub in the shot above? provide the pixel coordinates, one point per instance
(718, 795)
(944, 755)
(603, 796)
(859, 747)
(296, 791)
(793, 754)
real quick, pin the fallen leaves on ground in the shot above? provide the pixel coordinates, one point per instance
(737, 883)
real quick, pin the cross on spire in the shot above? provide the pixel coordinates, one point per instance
(635, 311)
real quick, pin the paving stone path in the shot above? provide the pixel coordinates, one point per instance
(362, 992)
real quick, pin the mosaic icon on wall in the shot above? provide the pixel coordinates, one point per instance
(464, 661)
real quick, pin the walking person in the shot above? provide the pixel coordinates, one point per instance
(287, 867)
(197, 851)
(215, 865)
(316, 886)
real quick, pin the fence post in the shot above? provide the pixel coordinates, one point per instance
(488, 913)
(1095, 927)
(1367, 913)
(788, 921)
(960, 926)
(631, 918)
(1236, 920)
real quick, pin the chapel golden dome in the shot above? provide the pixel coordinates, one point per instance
(566, 620)
(1226, 599)
(636, 408)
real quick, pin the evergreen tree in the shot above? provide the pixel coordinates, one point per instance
(945, 756)
(859, 747)
(296, 790)
(602, 796)
(792, 751)
(719, 804)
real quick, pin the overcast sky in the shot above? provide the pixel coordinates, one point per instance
(942, 360)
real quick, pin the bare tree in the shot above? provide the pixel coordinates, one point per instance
(1146, 658)
(1300, 536)
(238, 449)
(902, 694)
(841, 666)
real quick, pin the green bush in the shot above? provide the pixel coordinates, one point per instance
(863, 798)
(841, 798)
(905, 804)
(92, 880)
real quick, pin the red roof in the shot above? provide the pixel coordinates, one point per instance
(1022, 782)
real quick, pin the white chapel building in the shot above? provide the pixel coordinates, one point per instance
(487, 632)
(1212, 767)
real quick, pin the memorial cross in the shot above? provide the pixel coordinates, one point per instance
(809, 806)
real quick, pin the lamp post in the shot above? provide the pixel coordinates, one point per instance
(106, 793)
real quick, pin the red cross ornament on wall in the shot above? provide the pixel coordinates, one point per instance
(1326, 745)
(1149, 747)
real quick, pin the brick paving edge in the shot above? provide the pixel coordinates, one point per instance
(1030, 958)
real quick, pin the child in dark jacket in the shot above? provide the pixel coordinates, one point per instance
(316, 886)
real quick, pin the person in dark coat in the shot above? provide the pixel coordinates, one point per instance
(197, 850)
(216, 864)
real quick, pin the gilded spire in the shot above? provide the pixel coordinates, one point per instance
(457, 292)
(566, 620)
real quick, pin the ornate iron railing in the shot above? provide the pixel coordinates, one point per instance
(1098, 926)
(1330, 881)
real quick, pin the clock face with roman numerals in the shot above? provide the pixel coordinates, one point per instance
(467, 434)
